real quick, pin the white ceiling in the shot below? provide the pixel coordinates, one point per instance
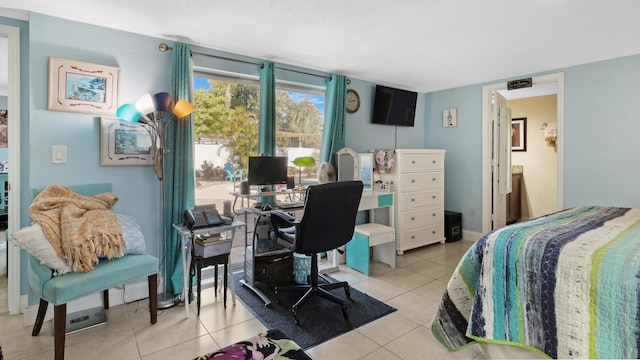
(420, 45)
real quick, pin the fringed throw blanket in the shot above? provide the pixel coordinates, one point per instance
(79, 227)
(566, 285)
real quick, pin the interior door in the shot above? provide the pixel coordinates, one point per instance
(501, 159)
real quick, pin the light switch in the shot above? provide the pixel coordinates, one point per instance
(59, 154)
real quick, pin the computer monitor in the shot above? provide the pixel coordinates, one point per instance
(267, 170)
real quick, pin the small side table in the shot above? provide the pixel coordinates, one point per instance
(201, 263)
(186, 248)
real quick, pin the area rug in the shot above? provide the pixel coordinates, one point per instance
(320, 319)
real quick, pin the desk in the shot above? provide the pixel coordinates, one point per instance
(383, 243)
(371, 201)
(250, 250)
(187, 248)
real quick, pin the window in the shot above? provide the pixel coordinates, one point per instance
(226, 122)
(299, 123)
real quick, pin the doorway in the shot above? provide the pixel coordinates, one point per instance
(487, 144)
(12, 56)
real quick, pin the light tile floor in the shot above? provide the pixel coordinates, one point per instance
(414, 288)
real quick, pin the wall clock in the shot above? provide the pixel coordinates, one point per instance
(353, 101)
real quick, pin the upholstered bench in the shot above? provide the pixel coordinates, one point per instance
(51, 280)
(60, 290)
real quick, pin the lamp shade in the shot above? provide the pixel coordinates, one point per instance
(128, 112)
(162, 101)
(304, 161)
(182, 108)
(145, 104)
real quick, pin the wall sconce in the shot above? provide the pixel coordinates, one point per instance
(550, 134)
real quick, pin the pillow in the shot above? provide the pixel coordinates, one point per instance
(133, 238)
(35, 242)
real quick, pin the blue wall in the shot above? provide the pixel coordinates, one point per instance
(463, 159)
(363, 136)
(143, 69)
(602, 155)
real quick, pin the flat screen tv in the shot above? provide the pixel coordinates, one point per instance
(394, 106)
(267, 170)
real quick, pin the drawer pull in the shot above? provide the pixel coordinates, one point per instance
(413, 200)
(433, 232)
(434, 214)
(413, 237)
(433, 197)
(413, 218)
(434, 179)
(433, 161)
(413, 161)
(413, 181)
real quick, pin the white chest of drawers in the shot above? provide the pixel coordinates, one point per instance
(418, 183)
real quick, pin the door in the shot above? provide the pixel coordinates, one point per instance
(13, 106)
(501, 159)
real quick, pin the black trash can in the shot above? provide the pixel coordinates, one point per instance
(452, 226)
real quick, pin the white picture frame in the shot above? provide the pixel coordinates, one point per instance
(83, 87)
(450, 117)
(124, 143)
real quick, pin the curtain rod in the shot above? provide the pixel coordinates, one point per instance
(164, 47)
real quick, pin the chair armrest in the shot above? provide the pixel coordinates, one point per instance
(284, 227)
(282, 219)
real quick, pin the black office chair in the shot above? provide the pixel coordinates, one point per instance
(327, 223)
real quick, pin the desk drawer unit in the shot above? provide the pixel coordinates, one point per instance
(419, 190)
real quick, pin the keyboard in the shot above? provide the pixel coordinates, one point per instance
(290, 205)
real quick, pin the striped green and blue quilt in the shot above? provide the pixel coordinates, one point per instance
(566, 285)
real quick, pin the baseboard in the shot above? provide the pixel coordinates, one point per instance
(471, 235)
(130, 293)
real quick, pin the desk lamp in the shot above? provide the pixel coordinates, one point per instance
(300, 162)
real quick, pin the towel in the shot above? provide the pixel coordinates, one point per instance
(79, 227)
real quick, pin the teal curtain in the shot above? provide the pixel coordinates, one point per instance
(179, 174)
(335, 113)
(267, 127)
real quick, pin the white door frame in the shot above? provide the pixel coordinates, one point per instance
(558, 78)
(13, 106)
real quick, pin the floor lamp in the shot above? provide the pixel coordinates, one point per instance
(150, 111)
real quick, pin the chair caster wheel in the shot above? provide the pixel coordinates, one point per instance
(295, 317)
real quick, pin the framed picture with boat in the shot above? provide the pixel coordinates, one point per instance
(78, 86)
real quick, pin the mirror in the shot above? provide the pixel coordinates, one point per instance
(366, 170)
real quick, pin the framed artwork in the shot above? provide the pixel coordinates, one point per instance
(4, 128)
(450, 117)
(125, 143)
(83, 87)
(519, 134)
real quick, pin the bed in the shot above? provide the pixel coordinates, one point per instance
(566, 285)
